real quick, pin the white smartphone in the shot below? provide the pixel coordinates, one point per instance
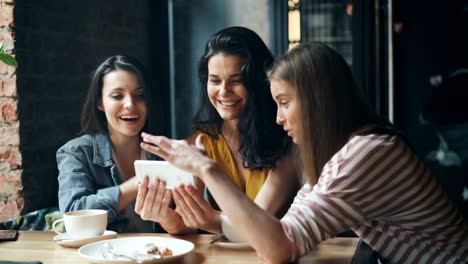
(163, 171)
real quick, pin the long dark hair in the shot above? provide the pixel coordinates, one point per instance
(92, 119)
(331, 105)
(262, 141)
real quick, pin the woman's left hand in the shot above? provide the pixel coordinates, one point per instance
(195, 211)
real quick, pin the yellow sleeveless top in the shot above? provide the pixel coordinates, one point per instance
(218, 150)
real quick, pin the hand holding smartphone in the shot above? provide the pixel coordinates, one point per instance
(163, 171)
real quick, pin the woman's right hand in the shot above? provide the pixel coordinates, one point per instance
(153, 201)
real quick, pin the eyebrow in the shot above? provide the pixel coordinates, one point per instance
(232, 75)
(281, 95)
(117, 89)
(121, 89)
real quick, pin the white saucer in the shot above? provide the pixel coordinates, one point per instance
(67, 241)
(225, 243)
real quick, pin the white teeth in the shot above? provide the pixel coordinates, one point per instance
(228, 103)
(129, 117)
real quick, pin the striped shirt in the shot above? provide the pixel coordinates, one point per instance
(376, 186)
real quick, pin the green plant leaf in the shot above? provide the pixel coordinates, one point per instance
(8, 60)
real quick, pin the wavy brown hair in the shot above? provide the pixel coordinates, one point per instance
(262, 141)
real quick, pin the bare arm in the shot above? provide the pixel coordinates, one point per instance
(278, 191)
(264, 232)
(275, 196)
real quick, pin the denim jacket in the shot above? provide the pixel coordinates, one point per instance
(89, 179)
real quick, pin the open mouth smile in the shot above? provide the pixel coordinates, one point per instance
(129, 117)
(229, 103)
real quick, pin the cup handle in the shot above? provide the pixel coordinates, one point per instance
(55, 223)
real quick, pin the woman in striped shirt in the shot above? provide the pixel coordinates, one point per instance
(362, 174)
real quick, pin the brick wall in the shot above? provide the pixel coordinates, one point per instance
(58, 44)
(10, 157)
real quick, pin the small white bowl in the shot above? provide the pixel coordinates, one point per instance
(229, 231)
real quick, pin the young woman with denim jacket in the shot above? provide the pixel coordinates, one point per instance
(96, 169)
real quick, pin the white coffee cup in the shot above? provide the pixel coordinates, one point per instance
(83, 223)
(229, 231)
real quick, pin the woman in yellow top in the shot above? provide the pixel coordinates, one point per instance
(237, 116)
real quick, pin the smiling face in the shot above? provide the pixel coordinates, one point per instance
(288, 113)
(225, 89)
(123, 102)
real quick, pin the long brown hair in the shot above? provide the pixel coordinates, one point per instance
(92, 119)
(331, 105)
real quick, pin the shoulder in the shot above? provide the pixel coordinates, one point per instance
(361, 146)
(86, 141)
(381, 150)
(75, 152)
(364, 159)
(88, 148)
(369, 151)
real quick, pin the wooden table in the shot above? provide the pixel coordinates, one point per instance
(39, 246)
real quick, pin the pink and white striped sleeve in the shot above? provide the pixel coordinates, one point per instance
(328, 208)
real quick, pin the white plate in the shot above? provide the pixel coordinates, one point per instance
(179, 247)
(67, 241)
(225, 243)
